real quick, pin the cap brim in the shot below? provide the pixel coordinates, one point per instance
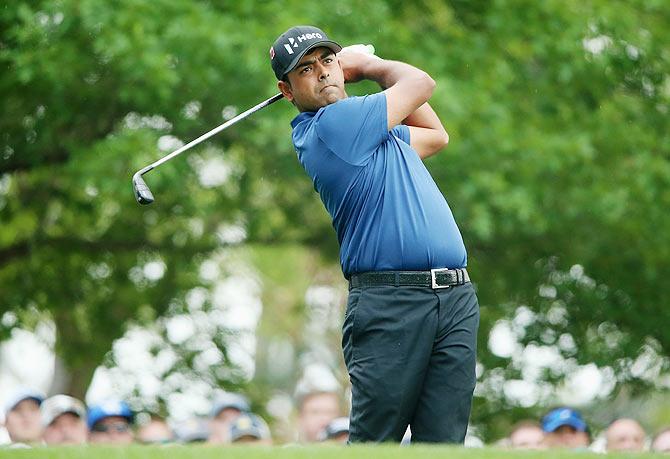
(247, 433)
(14, 403)
(217, 410)
(325, 43)
(336, 433)
(48, 420)
(94, 420)
(575, 423)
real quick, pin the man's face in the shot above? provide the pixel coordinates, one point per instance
(316, 81)
(566, 437)
(662, 443)
(317, 411)
(528, 437)
(113, 430)
(156, 431)
(220, 425)
(625, 435)
(66, 429)
(24, 422)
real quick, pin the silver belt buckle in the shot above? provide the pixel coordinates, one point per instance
(433, 280)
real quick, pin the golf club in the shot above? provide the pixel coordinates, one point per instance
(143, 193)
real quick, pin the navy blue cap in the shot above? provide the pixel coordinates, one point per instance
(293, 44)
(563, 417)
(97, 413)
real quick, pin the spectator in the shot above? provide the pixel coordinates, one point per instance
(249, 428)
(315, 411)
(336, 431)
(22, 416)
(155, 431)
(526, 435)
(63, 418)
(227, 407)
(624, 435)
(4, 436)
(661, 442)
(110, 423)
(565, 428)
(194, 430)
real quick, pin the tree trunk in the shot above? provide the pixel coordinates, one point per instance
(60, 379)
(80, 378)
(79, 355)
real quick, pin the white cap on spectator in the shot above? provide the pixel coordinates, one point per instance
(20, 395)
(317, 379)
(337, 426)
(54, 406)
(229, 400)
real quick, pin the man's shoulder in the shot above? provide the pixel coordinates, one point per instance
(352, 128)
(342, 117)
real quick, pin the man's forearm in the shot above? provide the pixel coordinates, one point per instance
(427, 134)
(387, 73)
(424, 117)
(407, 88)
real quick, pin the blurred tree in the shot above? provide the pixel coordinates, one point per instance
(89, 90)
(558, 115)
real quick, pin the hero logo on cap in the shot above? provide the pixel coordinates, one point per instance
(293, 42)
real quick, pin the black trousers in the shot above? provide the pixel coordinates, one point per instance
(411, 354)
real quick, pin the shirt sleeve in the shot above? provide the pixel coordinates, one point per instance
(401, 131)
(354, 127)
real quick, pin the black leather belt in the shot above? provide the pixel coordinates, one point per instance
(435, 278)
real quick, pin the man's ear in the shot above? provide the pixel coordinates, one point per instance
(285, 89)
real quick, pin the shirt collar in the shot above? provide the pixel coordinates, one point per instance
(301, 117)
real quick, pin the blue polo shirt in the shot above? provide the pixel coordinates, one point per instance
(386, 208)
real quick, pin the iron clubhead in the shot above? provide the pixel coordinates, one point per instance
(142, 191)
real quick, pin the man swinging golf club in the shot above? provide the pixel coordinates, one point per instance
(409, 332)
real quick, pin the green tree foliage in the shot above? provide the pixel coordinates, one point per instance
(557, 111)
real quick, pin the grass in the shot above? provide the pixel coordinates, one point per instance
(300, 452)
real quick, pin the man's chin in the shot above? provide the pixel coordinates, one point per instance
(326, 99)
(333, 96)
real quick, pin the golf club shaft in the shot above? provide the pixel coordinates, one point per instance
(214, 131)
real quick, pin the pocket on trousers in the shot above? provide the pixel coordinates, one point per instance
(348, 327)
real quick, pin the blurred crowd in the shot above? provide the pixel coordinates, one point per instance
(31, 420)
(565, 427)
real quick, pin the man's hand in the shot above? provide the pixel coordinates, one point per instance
(354, 59)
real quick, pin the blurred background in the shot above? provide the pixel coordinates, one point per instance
(558, 173)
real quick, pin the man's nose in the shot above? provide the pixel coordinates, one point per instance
(323, 72)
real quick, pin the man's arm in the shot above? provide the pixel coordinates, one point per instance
(407, 91)
(426, 133)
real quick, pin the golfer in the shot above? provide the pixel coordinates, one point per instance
(410, 328)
